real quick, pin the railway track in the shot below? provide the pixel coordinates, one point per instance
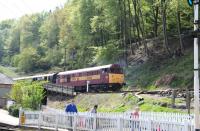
(129, 91)
(105, 92)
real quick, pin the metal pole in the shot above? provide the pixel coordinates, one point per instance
(88, 82)
(196, 69)
(65, 61)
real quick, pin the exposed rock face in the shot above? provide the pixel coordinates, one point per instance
(165, 80)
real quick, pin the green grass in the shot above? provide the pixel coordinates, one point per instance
(120, 103)
(8, 71)
(156, 108)
(145, 75)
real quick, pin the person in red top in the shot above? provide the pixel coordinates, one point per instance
(135, 113)
(135, 122)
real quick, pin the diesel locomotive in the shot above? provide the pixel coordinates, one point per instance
(107, 77)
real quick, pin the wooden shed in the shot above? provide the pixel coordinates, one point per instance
(5, 87)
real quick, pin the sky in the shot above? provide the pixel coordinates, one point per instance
(16, 8)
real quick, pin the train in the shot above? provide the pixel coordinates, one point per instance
(106, 77)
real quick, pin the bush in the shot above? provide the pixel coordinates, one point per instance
(14, 110)
(31, 94)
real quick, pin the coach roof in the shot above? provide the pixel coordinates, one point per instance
(85, 70)
(31, 77)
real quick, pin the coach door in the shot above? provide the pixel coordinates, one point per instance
(68, 78)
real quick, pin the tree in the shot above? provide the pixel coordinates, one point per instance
(26, 61)
(166, 44)
(28, 94)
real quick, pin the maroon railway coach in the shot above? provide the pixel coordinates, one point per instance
(107, 77)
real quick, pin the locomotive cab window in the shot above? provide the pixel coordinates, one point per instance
(116, 70)
(105, 70)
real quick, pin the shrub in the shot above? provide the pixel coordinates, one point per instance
(14, 110)
(28, 94)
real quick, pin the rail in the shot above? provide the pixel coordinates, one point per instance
(148, 121)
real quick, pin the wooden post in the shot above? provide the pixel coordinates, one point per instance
(173, 98)
(188, 100)
(20, 111)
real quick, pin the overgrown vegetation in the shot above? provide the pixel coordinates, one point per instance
(119, 103)
(27, 94)
(92, 32)
(8, 71)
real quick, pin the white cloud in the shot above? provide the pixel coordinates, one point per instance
(16, 8)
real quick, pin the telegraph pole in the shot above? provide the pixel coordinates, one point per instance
(65, 61)
(196, 66)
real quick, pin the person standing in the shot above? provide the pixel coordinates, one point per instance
(94, 110)
(71, 107)
(135, 119)
(135, 113)
(94, 120)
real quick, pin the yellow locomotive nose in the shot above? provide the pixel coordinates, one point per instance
(116, 78)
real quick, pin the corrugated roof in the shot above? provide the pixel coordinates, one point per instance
(5, 79)
(84, 70)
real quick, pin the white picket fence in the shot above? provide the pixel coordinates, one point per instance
(147, 121)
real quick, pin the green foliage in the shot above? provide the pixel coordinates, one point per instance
(27, 94)
(8, 71)
(156, 108)
(93, 32)
(27, 60)
(14, 110)
(108, 54)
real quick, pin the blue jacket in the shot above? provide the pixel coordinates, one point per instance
(71, 108)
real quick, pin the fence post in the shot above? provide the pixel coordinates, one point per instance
(94, 122)
(119, 124)
(150, 124)
(57, 115)
(40, 120)
(74, 122)
(186, 126)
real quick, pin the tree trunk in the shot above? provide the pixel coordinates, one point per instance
(173, 98)
(179, 28)
(136, 20)
(155, 28)
(166, 44)
(143, 30)
(124, 34)
(121, 24)
(130, 27)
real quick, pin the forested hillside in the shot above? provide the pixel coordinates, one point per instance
(93, 32)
